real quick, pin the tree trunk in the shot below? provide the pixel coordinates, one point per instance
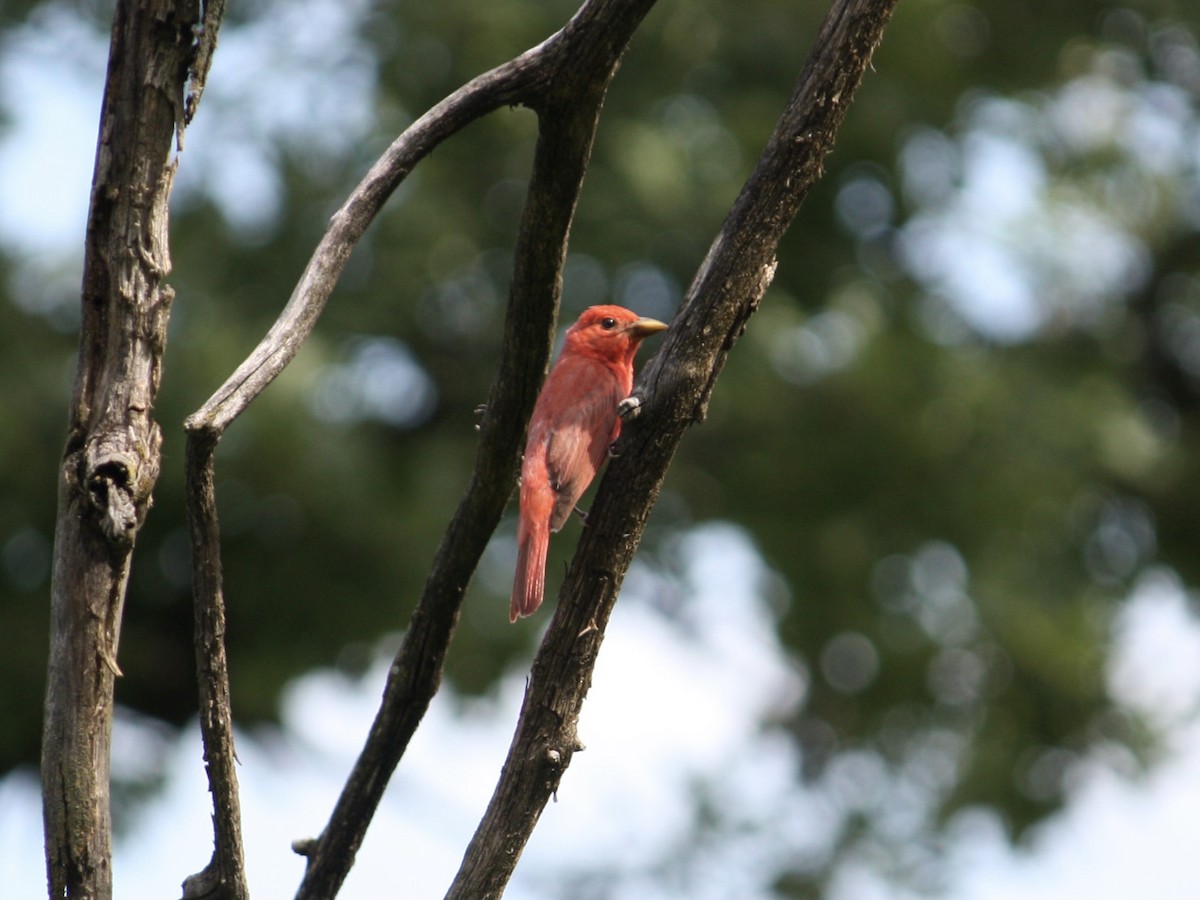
(111, 460)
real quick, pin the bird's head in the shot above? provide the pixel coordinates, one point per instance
(610, 332)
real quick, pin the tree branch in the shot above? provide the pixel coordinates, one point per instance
(206, 426)
(675, 388)
(111, 461)
(224, 878)
(224, 874)
(564, 80)
(576, 67)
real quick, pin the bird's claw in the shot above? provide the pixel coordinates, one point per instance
(630, 407)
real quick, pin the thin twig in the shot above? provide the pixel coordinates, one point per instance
(224, 878)
(674, 389)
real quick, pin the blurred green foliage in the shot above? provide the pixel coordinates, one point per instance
(954, 511)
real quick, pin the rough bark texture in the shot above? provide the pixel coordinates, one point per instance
(111, 460)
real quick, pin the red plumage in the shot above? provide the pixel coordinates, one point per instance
(573, 424)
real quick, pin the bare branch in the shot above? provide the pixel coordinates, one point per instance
(224, 878)
(206, 426)
(511, 84)
(224, 875)
(546, 78)
(578, 64)
(111, 461)
(564, 80)
(674, 390)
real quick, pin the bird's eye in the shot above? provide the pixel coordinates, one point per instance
(608, 323)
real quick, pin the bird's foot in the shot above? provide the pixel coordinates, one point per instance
(630, 407)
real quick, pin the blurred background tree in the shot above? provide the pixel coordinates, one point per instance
(960, 430)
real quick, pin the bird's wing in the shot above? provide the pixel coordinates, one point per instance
(580, 435)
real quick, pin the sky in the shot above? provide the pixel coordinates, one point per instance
(627, 801)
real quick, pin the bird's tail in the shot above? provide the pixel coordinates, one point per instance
(529, 584)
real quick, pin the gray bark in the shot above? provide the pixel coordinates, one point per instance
(111, 460)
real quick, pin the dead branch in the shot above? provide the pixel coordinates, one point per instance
(564, 80)
(674, 389)
(111, 460)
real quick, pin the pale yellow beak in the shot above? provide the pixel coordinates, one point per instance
(646, 327)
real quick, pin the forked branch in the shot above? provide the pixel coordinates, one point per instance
(564, 80)
(674, 390)
(586, 60)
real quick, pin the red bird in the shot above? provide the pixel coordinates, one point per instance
(574, 423)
